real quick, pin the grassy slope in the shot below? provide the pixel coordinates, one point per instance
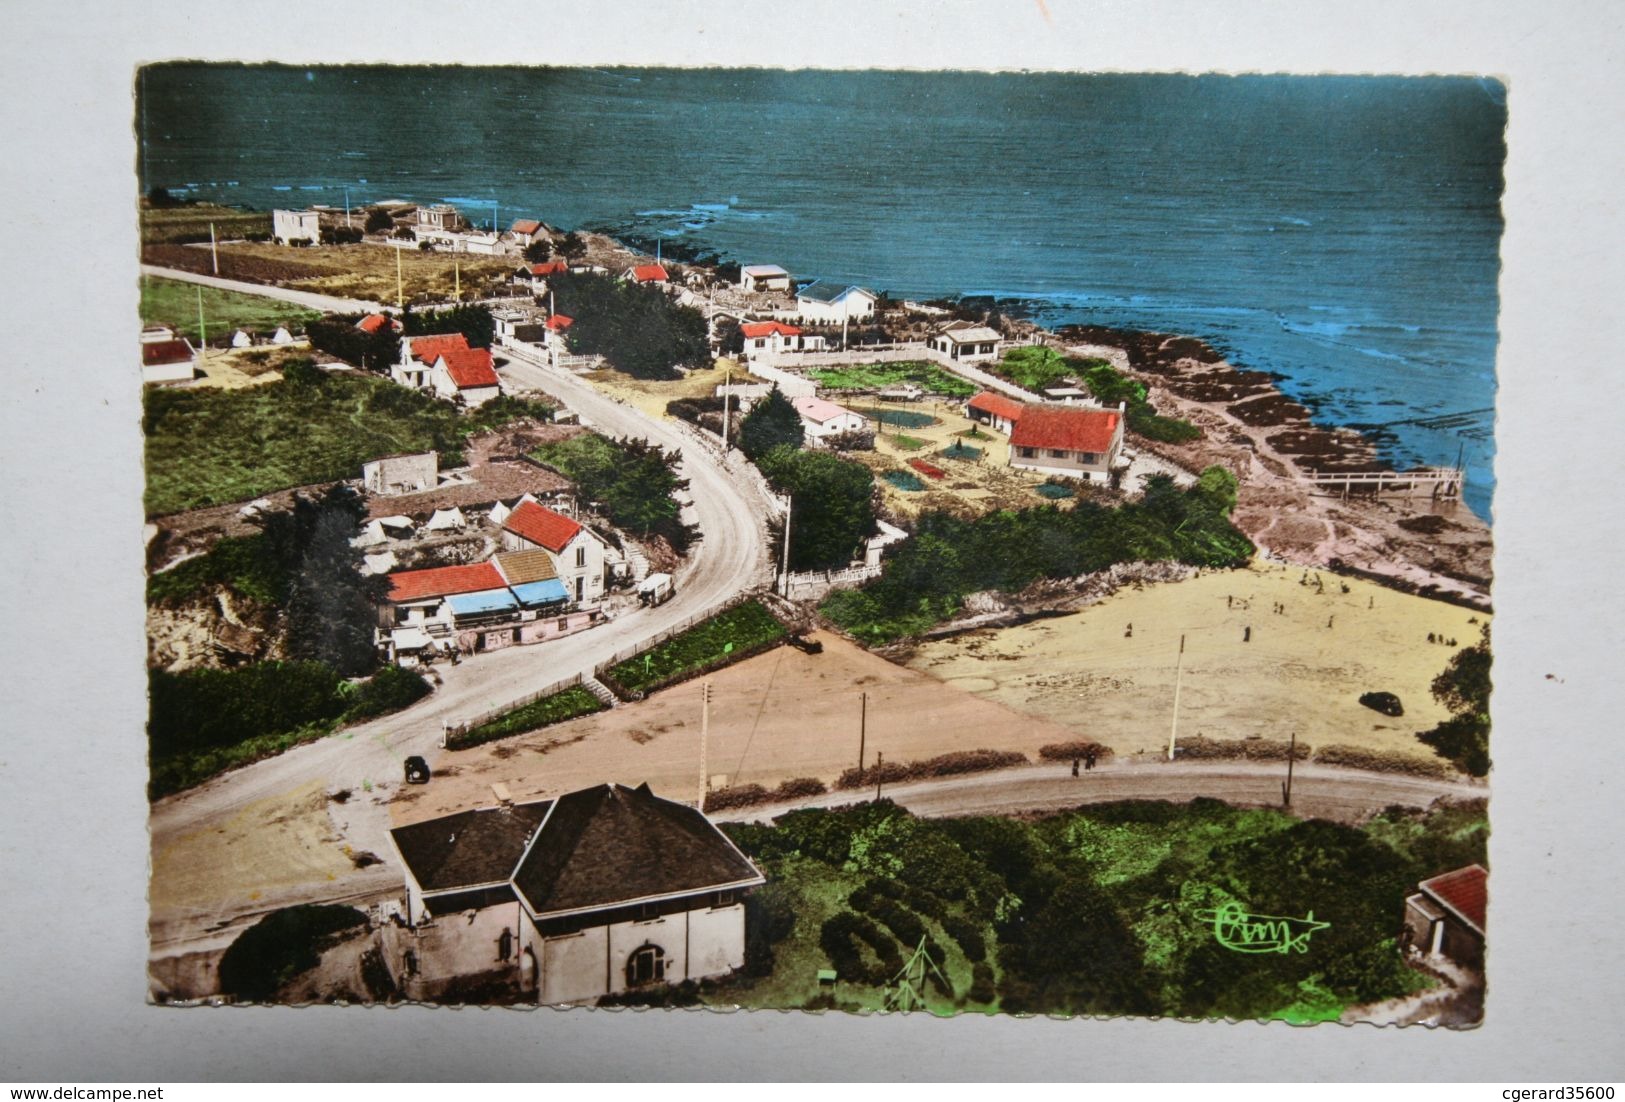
(214, 446)
(173, 303)
(166, 224)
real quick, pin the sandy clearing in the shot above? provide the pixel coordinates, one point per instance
(278, 842)
(779, 715)
(1296, 674)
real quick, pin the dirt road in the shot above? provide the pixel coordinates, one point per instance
(731, 556)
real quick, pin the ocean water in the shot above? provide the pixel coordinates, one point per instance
(1342, 232)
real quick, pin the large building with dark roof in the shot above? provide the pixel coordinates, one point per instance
(591, 894)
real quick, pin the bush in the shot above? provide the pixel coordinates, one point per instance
(838, 938)
(944, 765)
(982, 989)
(724, 639)
(969, 936)
(389, 690)
(279, 947)
(247, 564)
(770, 917)
(1381, 761)
(1247, 749)
(749, 795)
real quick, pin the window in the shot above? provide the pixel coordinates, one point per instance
(1027, 453)
(647, 964)
(581, 556)
(564, 623)
(1057, 453)
(725, 899)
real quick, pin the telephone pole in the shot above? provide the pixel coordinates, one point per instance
(1291, 756)
(214, 252)
(202, 333)
(789, 502)
(1179, 668)
(705, 735)
(863, 730)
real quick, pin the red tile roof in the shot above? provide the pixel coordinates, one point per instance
(551, 267)
(372, 323)
(166, 352)
(998, 405)
(542, 526)
(1464, 891)
(755, 329)
(470, 367)
(559, 322)
(430, 349)
(1074, 430)
(443, 581)
(649, 273)
(526, 225)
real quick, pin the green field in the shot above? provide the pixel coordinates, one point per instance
(174, 303)
(1095, 911)
(209, 446)
(560, 706)
(1036, 367)
(927, 376)
(190, 222)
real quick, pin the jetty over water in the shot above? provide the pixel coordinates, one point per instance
(1439, 483)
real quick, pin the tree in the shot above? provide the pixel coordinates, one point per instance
(281, 946)
(473, 322)
(331, 603)
(639, 330)
(340, 235)
(573, 247)
(634, 481)
(730, 338)
(1464, 688)
(538, 251)
(771, 423)
(832, 506)
(379, 220)
(337, 335)
(161, 197)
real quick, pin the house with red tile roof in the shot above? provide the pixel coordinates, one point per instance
(580, 555)
(1070, 441)
(429, 605)
(653, 275)
(527, 231)
(767, 338)
(989, 408)
(1445, 918)
(600, 891)
(465, 375)
(167, 360)
(372, 323)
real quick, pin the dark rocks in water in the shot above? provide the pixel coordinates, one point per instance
(1386, 703)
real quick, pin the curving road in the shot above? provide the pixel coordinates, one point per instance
(730, 508)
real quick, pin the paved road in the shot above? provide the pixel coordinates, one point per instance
(325, 303)
(1318, 791)
(731, 556)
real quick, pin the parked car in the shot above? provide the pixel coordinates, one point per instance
(656, 589)
(417, 770)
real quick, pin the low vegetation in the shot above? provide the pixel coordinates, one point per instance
(1110, 386)
(174, 223)
(175, 304)
(1036, 367)
(361, 271)
(927, 376)
(927, 578)
(554, 708)
(1095, 911)
(943, 765)
(282, 946)
(749, 795)
(207, 446)
(633, 482)
(724, 639)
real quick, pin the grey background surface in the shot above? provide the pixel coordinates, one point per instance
(73, 856)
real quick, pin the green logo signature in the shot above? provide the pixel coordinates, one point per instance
(1235, 928)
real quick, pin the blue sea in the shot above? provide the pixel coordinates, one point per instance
(1341, 232)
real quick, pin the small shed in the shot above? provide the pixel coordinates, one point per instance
(1445, 918)
(446, 520)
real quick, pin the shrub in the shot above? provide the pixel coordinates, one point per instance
(838, 938)
(969, 936)
(770, 917)
(565, 704)
(1381, 761)
(944, 765)
(749, 795)
(389, 690)
(722, 640)
(982, 989)
(280, 946)
(1248, 749)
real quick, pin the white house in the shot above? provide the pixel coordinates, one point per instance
(1071, 441)
(296, 225)
(579, 553)
(821, 419)
(527, 231)
(171, 360)
(441, 599)
(988, 408)
(650, 275)
(603, 890)
(402, 474)
(968, 343)
(830, 302)
(755, 278)
(466, 375)
(772, 337)
(537, 275)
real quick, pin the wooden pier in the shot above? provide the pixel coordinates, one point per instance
(1439, 483)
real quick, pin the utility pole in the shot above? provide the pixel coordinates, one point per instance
(880, 760)
(202, 333)
(705, 734)
(214, 253)
(346, 206)
(863, 730)
(1291, 756)
(457, 279)
(727, 380)
(789, 501)
(400, 297)
(1179, 668)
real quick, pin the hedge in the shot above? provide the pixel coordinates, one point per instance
(1383, 761)
(1248, 749)
(748, 795)
(565, 704)
(1068, 751)
(944, 765)
(836, 938)
(733, 635)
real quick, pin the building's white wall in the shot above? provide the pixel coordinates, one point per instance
(296, 225)
(575, 967)
(847, 422)
(853, 308)
(716, 941)
(166, 373)
(695, 944)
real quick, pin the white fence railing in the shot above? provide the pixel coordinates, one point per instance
(819, 582)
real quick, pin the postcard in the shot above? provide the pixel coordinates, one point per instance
(945, 542)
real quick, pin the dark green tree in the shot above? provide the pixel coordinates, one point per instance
(538, 251)
(832, 508)
(472, 321)
(730, 339)
(573, 247)
(639, 330)
(379, 220)
(301, 373)
(280, 947)
(771, 423)
(1464, 688)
